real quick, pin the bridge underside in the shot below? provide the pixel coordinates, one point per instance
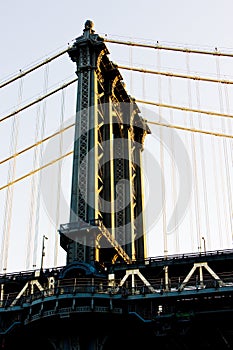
(105, 332)
(126, 308)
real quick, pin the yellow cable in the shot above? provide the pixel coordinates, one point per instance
(213, 133)
(185, 109)
(29, 70)
(39, 99)
(35, 171)
(168, 48)
(176, 75)
(36, 144)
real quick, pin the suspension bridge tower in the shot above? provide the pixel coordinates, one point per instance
(106, 223)
(109, 294)
(106, 212)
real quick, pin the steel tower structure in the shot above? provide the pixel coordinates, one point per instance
(93, 302)
(106, 216)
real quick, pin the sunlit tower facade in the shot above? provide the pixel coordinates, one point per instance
(107, 204)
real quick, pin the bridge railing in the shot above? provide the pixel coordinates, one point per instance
(57, 270)
(210, 253)
(90, 286)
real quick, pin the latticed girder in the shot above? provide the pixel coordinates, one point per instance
(106, 181)
(115, 244)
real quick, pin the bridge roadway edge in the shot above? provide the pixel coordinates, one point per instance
(125, 316)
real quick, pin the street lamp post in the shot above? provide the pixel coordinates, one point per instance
(43, 251)
(204, 244)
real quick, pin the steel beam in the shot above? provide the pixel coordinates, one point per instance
(107, 181)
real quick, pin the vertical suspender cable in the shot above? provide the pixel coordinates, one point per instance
(42, 131)
(131, 72)
(225, 197)
(190, 222)
(56, 244)
(164, 213)
(194, 162)
(145, 163)
(229, 183)
(216, 192)
(229, 121)
(34, 190)
(10, 190)
(203, 171)
(173, 177)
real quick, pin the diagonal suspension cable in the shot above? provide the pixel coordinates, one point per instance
(213, 133)
(157, 46)
(38, 143)
(39, 99)
(179, 127)
(22, 73)
(35, 171)
(172, 126)
(186, 109)
(182, 108)
(69, 153)
(137, 100)
(176, 75)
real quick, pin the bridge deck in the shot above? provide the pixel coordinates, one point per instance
(138, 292)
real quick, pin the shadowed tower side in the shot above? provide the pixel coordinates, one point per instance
(106, 214)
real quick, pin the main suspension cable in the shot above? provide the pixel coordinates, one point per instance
(69, 153)
(181, 108)
(176, 75)
(157, 46)
(185, 109)
(22, 73)
(39, 99)
(38, 143)
(172, 126)
(213, 133)
(35, 171)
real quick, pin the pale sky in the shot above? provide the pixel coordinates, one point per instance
(31, 31)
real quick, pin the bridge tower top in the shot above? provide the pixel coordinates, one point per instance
(106, 212)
